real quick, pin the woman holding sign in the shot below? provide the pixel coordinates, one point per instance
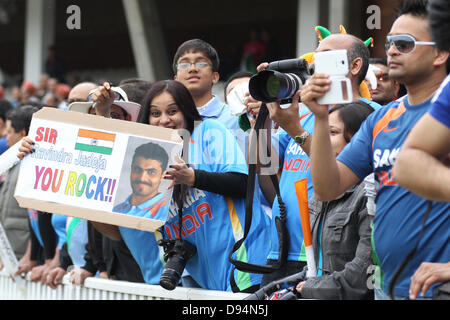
(208, 208)
(341, 230)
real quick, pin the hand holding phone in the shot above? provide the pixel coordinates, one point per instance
(334, 63)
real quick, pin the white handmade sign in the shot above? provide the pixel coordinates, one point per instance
(82, 167)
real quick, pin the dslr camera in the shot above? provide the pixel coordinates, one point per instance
(176, 254)
(280, 81)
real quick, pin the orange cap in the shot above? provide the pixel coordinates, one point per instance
(29, 86)
(63, 90)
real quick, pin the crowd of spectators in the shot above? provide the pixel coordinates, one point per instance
(370, 181)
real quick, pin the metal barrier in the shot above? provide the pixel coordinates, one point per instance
(103, 289)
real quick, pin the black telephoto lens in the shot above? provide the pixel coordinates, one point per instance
(171, 275)
(178, 256)
(280, 81)
(270, 86)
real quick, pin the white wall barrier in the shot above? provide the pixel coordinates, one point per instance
(103, 289)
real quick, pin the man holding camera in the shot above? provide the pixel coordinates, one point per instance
(416, 62)
(294, 143)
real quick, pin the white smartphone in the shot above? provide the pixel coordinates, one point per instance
(334, 63)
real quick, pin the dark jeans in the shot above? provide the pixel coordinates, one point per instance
(290, 267)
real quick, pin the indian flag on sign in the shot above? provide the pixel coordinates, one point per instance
(95, 141)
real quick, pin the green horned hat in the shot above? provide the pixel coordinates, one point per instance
(323, 32)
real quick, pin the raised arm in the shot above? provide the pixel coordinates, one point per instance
(420, 166)
(329, 176)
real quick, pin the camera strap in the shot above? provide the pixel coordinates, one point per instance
(280, 221)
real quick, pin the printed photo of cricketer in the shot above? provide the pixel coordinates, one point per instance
(142, 190)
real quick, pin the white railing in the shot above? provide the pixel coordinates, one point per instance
(102, 289)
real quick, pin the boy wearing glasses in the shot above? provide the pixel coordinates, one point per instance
(196, 66)
(415, 62)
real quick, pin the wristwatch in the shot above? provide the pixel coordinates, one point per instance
(301, 139)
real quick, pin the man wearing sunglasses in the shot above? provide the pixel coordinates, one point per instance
(426, 147)
(430, 138)
(421, 67)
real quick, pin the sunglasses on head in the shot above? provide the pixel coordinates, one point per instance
(405, 43)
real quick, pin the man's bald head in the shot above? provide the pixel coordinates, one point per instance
(337, 41)
(355, 49)
(80, 92)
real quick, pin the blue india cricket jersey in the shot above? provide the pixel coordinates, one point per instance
(212, 222)
(59, 224)
(441, 103)
(295, 164)
(399, 212)
(217, 110)
(143, 244)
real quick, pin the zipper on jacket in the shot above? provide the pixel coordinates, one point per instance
(323, 215)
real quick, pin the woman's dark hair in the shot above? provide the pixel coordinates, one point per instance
(182, 98)
(352, 115)
(184, 101)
